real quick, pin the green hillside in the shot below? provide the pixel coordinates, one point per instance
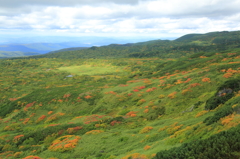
(68, 49)
(122, 108)
(183, 46)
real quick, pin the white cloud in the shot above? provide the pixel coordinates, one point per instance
(121, 17)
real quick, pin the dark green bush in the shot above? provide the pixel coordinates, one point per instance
(219, 146)
(154, 113)
(225, 111)
(216, 99)
(222, 112)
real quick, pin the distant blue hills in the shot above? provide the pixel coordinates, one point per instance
(20, 48)
(16, 50)
(11, 46)
(40, 48)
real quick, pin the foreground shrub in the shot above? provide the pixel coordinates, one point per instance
(219, 146)
(223, 94)
(64, 143)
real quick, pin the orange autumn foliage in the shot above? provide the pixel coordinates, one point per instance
(185, 91)
(230, 54)
(33, 114)
(206, 80)
(114, 122)
(162, 129)
(136, 156)
(173, 128)
(66, 95)
(93, 118)
(88, 97)
(172, 95)
(60, 100)
(64, 143)
(146, 111)
(41, 118)
(17, 138)
(53, 125)
(194, 85)
(237, 57)
(54, 117)
(94, 132)
(131, 114)
(147, 147)
(151, 89)
(146, 129)
(26, 120)
(32, 157)
(179, 81)
(50, 112)
(189, 79)
(227, 75)
(73, 130)
(201, 113)
(142, 101)
(29, 105)
(230, 70)
(227, 119)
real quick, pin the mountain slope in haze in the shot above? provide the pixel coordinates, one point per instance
(188, 44)
(17, 50)
(18, 47)
(45, 44)
(9, 54)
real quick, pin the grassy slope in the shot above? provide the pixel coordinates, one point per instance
(117, 116)
(186, 45)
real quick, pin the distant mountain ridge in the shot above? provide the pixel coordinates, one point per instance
(182, 46)
(45, 44)
(18, 50)
(68, 49)
(18, 47)
(208, 36)
(33, 47)
(187, 44)
(9, 54)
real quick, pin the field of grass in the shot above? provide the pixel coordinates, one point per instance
(92, 70)
(136, 111)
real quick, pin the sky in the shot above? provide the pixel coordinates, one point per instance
(156, 19)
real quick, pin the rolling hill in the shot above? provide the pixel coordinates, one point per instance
(186, 45)
(68, 49)
(101, 106)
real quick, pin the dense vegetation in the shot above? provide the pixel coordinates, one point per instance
(186, 45)
(123, 108)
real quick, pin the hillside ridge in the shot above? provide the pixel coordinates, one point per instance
(60, 107)
(185, 45)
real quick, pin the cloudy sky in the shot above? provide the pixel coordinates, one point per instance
(151, 18)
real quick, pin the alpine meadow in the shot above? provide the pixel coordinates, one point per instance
(160, 99)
